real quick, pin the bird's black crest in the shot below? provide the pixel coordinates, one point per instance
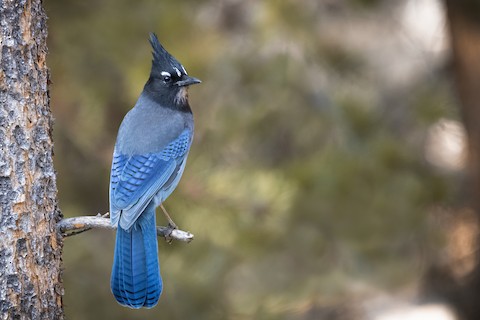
(162, 60)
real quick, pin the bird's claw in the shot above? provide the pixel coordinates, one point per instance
(168, 237)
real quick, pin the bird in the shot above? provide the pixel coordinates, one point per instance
(149, 158)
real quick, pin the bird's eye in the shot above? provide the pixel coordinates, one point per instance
(167, 79)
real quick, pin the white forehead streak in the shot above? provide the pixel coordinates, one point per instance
(178, 72)
(165, 74)
(185, 71)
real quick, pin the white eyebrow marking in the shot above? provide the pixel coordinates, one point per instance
(185, 71)
(178, 72)
(165, 73)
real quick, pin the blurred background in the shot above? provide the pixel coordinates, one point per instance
(329, 177)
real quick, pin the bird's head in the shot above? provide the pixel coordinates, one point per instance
(168, 80)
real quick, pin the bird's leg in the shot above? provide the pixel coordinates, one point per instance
(171, 225)
(170, 221)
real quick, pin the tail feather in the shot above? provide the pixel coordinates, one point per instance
(154, 285)
(136, 280)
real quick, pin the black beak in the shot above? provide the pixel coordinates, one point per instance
(187, 81)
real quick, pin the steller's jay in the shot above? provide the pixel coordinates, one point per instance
(148, 161)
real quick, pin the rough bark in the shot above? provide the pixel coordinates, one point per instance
(30, 248)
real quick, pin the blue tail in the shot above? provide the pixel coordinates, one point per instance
(136, 280)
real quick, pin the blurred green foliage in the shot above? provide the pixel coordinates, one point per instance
(306, 179)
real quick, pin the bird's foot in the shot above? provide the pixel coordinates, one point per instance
(170, 228)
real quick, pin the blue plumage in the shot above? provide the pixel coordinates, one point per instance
(148, 161)
(136, 280)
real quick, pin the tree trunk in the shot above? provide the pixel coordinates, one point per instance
(30, 248)
(464, 24)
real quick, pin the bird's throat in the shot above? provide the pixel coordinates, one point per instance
(181, 98)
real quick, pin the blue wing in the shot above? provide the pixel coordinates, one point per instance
(137, 179)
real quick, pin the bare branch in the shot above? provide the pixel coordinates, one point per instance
(72, 226)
